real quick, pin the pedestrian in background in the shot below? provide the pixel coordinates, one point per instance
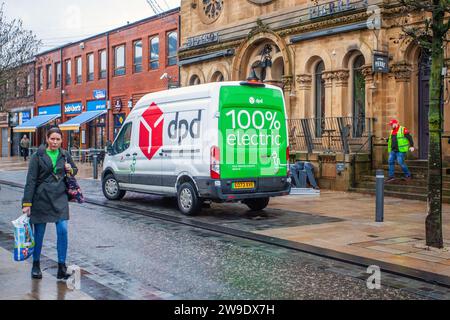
(399, 143)
(25, 146)
(45, 198)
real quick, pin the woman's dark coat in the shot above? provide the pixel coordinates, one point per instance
(45, 191)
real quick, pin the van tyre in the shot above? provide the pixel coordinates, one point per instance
(189, 202)
(257, 204)
(110, 187)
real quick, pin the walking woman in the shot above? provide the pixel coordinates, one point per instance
(45, 199)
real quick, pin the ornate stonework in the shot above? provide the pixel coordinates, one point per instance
(210, 10)
(287, 83)
(304, 81)
(402, 71)
(328, 77)
(341, 77)
(367, 72)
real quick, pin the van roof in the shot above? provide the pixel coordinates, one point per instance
(200, 91)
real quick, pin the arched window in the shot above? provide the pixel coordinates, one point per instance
(359, 97)
(194, 80)
(319, 99)
(217, 77)
(172, 45)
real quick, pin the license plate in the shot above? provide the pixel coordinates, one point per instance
(243, 185)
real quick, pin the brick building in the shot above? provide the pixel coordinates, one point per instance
(90, 86)
(17, 109)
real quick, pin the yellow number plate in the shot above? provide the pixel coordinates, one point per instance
(243, 185)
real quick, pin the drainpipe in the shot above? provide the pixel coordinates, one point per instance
(61, 96)
(179, 44)
(107, 90)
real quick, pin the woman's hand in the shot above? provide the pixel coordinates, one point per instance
(26, 210)
(68, 167)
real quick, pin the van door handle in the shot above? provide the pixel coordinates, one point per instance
(135, 154)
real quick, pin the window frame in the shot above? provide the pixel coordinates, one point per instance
(40, 79)
(68, 73)
(121, 71)
(170, 58)
(137, 67)
(28, 87)
(151, 61)
(78, 67)
(49, 74)
(58, 79)
(90, 74)
(121, 133)
(102, 73)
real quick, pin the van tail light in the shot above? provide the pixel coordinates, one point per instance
(215, 162)
(287, 162)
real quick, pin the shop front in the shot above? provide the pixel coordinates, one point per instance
(18, 117)
(87, 129)
(48, 116)
(4, 137)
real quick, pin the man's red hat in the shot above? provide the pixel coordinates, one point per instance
(393, 121)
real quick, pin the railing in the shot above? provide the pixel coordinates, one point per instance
(330, 135)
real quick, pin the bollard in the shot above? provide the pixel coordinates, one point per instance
(94, 163)
(379, 215)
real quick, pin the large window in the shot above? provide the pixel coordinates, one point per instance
(79, 74)
(40, 79)
(68, 72)
(90, 67)
(123, 140)
(172, 44)
(58, 74)
(154, 53)
(102, 64)
(137, 56)
(319, 99)
(28, 84)
(359, 97)
(17, 88)
(49, 76)
(119, 60)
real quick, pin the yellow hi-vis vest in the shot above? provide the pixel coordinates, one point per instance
(403, 143)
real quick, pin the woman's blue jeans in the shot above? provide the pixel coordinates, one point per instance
(400, 157)
(61, 242)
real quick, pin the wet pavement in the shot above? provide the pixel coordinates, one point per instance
(127, 256)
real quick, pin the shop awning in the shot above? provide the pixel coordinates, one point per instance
(36, 122)
(75, 123)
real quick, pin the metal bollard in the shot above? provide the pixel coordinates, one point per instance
(379, 215)
(94, 163)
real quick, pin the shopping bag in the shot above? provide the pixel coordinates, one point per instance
(73, 189)
(23, 238)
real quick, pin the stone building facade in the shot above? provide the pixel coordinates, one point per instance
(342, 64)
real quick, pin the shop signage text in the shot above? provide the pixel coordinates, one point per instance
(72, 108)
(99, 94)
(202, 39)
(334, 7)
(380, 63)
(56, 109)
(96, 105)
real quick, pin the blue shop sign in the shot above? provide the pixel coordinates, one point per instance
(99, 94)
(55, 109)
(96, 105)
(73, 108)
(26, 115)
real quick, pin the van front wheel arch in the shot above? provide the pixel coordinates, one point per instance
(188, 200)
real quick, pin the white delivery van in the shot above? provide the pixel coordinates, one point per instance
(224, 141)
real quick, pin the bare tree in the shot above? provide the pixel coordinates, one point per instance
(431, 36)
(17, 47)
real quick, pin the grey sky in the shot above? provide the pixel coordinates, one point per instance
(57, 22)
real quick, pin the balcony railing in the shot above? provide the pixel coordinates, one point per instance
(333, 135)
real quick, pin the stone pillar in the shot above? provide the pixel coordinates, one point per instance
(403, 109)
(304, 108)
(328, 77)
(287, 87)
(340, 95)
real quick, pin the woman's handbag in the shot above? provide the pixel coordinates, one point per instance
(73, 189)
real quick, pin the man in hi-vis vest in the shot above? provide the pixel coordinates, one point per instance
(399, 143)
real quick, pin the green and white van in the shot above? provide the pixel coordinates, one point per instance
(224, 141)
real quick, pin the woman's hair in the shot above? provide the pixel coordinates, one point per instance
(54, 130)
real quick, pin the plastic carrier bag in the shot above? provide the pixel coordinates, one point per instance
(23, 238)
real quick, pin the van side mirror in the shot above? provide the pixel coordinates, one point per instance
(109, 149)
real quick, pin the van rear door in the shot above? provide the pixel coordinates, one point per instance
(252, 132)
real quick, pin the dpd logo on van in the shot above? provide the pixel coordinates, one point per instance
(151, 131)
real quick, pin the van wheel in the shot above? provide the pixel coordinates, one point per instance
(188, 201)
(110, 187)
(257, 204)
